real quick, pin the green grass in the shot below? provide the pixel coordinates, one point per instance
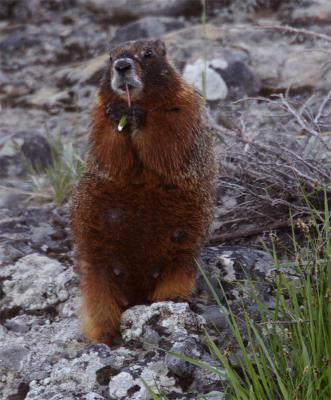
(289, 351)
(62, 173)
(288, 355)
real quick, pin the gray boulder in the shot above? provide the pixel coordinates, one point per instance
(126, 10)
(148, 27)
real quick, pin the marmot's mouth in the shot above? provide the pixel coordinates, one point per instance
(126, 86)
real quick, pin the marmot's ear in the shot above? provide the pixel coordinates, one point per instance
(160, 47)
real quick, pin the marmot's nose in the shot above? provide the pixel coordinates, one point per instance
(123, 65)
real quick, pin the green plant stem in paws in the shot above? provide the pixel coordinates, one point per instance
(123, 122)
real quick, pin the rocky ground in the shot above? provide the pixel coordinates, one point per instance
(52, 53)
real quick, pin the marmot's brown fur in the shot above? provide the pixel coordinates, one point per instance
(142, 209)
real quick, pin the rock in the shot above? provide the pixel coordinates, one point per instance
(67, 378)
(21, 323)
(93, 396)
(236, 267)
(22, 10)
(309, 67)
(88, 72)
(48, 353)
(236, 11)
(120, 384)
(35, 282)
(38, 351)
(16, 42)
(221, 79)
(148, 27)
(37, 151)
(215, 395)
(26, 230)
(189, 347)
(214, 316)
(296, 65)
(204, 380)
(157, 375)
(9, 145)
(314, 11)
(9, 166)
(204, 78)
(240, 80)
(125, 386)
(125, 10)
(48, 98)
(3, 79)
(34, 148)
(179, 331)
(13, 357)
(117, 359)
(286, 56)
(41, 232)
(166, 318)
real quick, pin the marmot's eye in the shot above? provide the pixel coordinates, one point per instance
(110, 58)
(148, 53)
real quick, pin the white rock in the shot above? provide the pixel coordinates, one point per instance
(215, 395)
(93, 396)
(176, 318)
(10, 146)
(216, 88)
(218, 63)
(120, 384)
(134, 9)
(155, 375)
(35, 282)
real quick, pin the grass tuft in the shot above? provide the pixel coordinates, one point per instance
(288, 355)
(62, 173)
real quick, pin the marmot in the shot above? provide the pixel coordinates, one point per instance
(142, 208)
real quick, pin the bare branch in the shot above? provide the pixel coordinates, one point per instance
(242, 233)
(270, 173)
(25, 193)
(290, 29)
(321, 108)
(302, 122)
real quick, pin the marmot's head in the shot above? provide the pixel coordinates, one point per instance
(140, 65)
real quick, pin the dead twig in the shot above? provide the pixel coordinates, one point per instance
(322, 107)
(244, 233)
(31, 194)
(291, 29)
(302, 122)
(272, 172)
(301, 321)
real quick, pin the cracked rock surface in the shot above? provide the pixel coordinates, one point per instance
(43, 354)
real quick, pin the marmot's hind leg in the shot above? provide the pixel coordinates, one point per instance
(174, 285)
(101, 307)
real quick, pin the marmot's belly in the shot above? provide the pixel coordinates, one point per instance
(139, 234)
(139, 223)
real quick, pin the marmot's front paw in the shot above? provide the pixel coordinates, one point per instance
(136, 117)
(115, 112)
